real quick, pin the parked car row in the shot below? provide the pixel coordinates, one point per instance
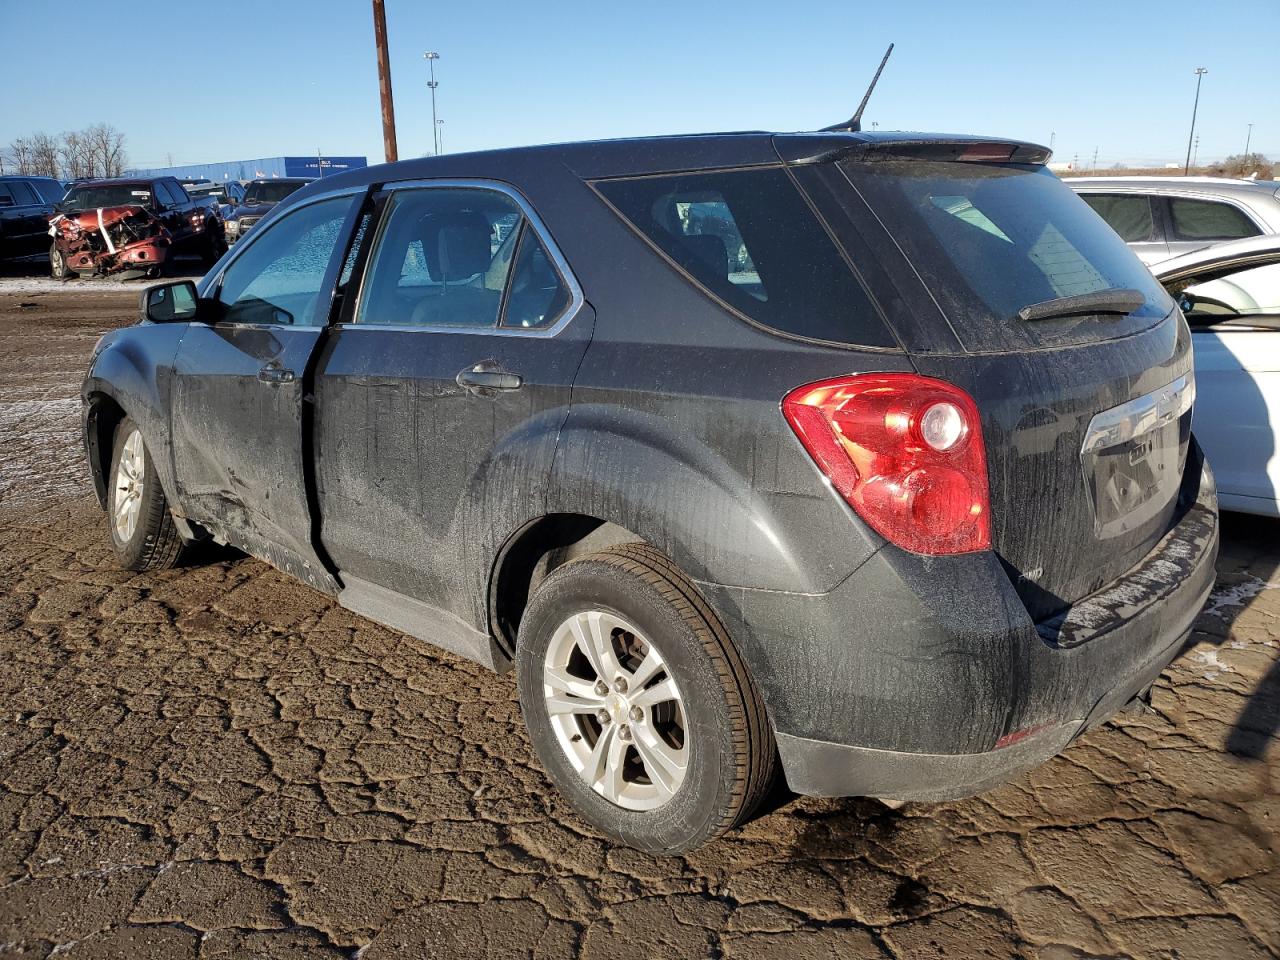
(128, 226)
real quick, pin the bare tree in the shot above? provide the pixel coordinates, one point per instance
(106, 144)
(76, 156)
(44, 155)
(20, 156)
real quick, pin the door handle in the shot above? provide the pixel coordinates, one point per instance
(488, 376)
(273, 372)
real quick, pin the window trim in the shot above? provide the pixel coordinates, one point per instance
(531, 220)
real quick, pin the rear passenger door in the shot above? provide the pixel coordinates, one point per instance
(443, 389)
(1136, 218)
(24, 220)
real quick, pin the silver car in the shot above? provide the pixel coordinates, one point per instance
(1163, 217)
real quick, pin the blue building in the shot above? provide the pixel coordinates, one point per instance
(264, 168)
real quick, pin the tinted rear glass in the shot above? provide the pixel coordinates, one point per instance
(748, 238)
(989, 239)
(270, 192)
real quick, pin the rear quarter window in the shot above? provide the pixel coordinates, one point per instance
(748, 238)
(1209, 220)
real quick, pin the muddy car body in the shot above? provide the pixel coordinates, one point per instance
(865, 453)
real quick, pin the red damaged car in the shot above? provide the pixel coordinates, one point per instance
(130, 228)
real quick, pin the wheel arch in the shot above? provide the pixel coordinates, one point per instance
(531, 553)
(102, 415)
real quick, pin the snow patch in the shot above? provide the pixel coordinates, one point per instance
(1236, 595)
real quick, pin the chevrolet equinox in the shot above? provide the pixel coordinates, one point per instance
(864, 459)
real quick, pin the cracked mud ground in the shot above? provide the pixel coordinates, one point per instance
(218, 762)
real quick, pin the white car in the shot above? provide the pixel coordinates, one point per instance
(1230, 294)
(1163, 217)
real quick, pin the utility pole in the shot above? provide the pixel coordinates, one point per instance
(384, 82)
(1195, 157)
(431, 57)
(1095, 158)
(1053, 136)
(440, 127)
(1248, 140)
(1200, 72)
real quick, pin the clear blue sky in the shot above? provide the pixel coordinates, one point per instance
(285, 77)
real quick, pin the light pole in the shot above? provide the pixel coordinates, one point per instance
(1248, 140)
(431, 57)
(440, 135)
(1200, 72)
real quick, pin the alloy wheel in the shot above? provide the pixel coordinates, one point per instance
(616, 710)
(127, 502)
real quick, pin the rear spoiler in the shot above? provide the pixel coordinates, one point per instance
(801, 148)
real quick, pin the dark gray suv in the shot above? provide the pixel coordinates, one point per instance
(861, 458)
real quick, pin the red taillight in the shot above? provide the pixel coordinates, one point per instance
(905, 451)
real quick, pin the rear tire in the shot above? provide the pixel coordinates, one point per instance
(684, 752)
(142, 530)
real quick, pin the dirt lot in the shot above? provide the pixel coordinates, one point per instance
(219, 762)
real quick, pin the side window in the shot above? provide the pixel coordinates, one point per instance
(179, 192)
(440, 259)
(1237, 295)
(1127, 214)
(1207, 220)
(749, 238)
(278, 279)
(538, 294)
(6, 196)
(162, 194)
(22, 193)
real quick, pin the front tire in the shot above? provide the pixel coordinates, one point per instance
(58, 264)
(215, 245)
(639, 706)
(143, 533)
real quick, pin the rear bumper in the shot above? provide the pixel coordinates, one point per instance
(925, 679)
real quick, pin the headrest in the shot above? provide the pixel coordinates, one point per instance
(456, 245)
(710, 250)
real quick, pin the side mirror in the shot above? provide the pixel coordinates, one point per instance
(174, 302)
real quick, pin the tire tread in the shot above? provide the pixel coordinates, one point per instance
(755, 753)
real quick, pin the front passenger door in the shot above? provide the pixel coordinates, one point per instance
(239, 406)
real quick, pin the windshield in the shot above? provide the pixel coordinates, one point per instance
(269, 192)
(113, 195)
(990, 239)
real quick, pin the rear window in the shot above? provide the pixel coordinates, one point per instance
(990, 239)
(748, 238)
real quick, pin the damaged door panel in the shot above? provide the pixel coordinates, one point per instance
(240, 410)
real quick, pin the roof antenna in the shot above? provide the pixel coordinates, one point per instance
(854, 123)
